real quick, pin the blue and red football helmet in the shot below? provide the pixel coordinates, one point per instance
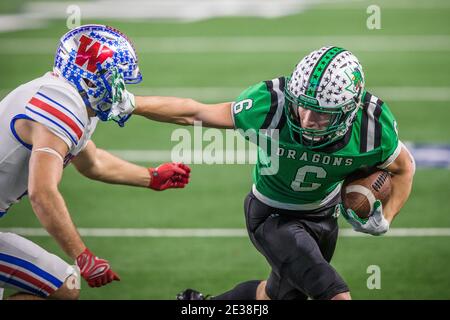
(88, 56)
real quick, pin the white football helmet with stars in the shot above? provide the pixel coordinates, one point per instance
(329, 82)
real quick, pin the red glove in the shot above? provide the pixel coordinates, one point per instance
(97, 272)
(169, 175)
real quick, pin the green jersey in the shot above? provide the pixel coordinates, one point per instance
(308, 179)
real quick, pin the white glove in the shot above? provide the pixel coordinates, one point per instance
(375, 225)
(123, 107)
(123, 103)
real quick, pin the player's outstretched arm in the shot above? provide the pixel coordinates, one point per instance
(184, 111)
(402, 170)
(45, 172)
(100, 165)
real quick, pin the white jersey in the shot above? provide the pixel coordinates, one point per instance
(53, 102)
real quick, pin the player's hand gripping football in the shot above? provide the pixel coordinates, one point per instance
(375, 225)
(96, 271)
(123, 102)
(169, 175)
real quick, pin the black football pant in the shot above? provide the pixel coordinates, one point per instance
(298, 246)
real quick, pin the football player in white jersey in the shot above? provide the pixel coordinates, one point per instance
(44, 125)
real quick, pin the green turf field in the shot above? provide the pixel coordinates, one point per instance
(157, 268)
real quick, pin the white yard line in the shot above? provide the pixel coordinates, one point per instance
(384, 4)
(251, 44)
(197, 156)
(201, 9)
(217, 94)
(406, 93)
(213, 233)
(144, 155)
(426, 156)
(38, 13)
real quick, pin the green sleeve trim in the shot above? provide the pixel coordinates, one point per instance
(392, 157)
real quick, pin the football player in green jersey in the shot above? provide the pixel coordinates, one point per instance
(328, 126)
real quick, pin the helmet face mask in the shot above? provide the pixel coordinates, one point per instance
(323, 96)
(327, 124)
(88, 56)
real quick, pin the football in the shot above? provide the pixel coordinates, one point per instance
(361, 189)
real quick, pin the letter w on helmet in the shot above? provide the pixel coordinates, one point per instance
(88, 56)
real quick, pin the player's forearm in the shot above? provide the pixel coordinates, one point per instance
(111, 169)
(51, 211)
(167, 109)
(185, 111)
(401, 189)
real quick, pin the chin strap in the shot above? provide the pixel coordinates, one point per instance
(102, 115)
(105, 81)
(121, 121)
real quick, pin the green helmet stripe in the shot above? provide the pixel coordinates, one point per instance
(319, 70)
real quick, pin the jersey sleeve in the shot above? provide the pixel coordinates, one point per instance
(60, 111)
(90, 128)
(249, 109)
(390, 144)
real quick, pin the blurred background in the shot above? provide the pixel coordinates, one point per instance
(211, 51)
